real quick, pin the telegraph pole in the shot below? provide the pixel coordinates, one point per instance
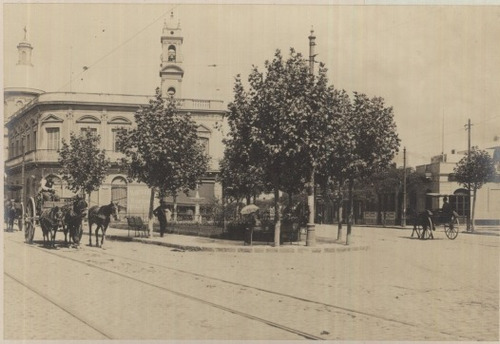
(468, 126)
(404, 189)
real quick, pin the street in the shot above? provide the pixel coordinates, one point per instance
(400, 288)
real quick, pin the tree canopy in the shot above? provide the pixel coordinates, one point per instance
(291, 128)
(164, 151)
(278, 127)
(474, 169)
(83, 164)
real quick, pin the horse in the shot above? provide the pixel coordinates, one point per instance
(73, 217)
(50, 220)
(101, 216)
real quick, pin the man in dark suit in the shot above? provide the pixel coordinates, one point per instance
(447, 210)
(161, 213)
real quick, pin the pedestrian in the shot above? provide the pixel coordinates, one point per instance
(161, 213)
(446, 209)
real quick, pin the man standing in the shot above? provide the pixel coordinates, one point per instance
(161, 213)
(447, 210)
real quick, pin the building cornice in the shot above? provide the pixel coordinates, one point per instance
(106, 100)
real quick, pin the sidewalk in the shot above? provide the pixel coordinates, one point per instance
(325, 242)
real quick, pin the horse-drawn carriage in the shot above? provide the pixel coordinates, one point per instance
(425, 223)
(53, 214)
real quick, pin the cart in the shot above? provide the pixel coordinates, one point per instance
(33, 212)
(426, 222)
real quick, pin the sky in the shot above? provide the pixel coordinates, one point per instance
(437, 66)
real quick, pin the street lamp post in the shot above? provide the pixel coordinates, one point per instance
(403, 224)
(311, 230)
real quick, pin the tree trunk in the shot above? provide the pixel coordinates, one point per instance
(350, 215)
(311, 235)
(340, 209)
(150, 213)
(473, 209)
(277, 217)
(379, 209)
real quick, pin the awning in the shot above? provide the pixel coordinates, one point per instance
(435, 194)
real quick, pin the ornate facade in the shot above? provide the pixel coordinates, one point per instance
(37, 126)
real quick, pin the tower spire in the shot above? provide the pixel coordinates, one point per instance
(312, 43)
(24, 49)
(171, 72)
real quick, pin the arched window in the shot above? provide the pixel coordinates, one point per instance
(119, 193)
(171, 53)
(171, 91)
(460, 202)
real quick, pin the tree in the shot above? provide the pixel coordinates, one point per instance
(284, 114)
(83, 165)
(473, 171)
(240, 176)
(335, 169)
(163, 151)
(374, 142)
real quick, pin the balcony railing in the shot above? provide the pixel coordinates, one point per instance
(201, 104)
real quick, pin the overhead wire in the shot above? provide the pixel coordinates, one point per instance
(89, 66)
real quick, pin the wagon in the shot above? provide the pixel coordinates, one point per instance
(33, 212)
(426, 222)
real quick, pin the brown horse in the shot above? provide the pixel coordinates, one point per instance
(73, 218)
(50, 221)
(101, 217)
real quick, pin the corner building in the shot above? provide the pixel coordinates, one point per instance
(37, 121)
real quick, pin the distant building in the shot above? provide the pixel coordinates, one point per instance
(37, 121)
(441, 181)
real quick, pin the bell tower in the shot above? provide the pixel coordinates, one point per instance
(171, 72)
(24, 49)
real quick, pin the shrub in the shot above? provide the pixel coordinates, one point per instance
(236, 229)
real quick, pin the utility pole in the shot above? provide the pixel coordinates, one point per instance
(468, 126)
(23, 182)
(403, 224)
(311, 230)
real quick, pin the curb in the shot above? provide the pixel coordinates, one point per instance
(246, 249)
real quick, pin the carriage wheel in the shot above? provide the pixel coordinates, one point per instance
(451, 229)
(29, 221)
(426, 229)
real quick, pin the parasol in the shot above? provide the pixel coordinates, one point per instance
(249, 209)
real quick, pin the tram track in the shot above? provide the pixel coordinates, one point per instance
(246, 315)
(237, 284)
(54, 302)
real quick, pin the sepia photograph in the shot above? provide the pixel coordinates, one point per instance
(251, 171)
